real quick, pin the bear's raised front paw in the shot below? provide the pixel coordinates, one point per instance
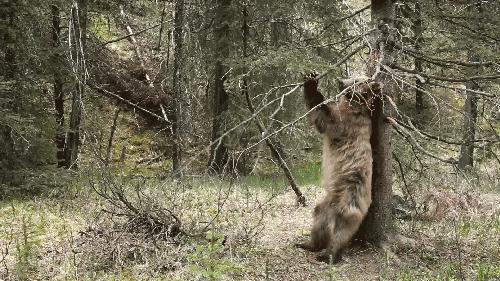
(311, 77)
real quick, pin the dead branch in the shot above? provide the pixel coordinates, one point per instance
(346, 17)
(413, 142)
(275, 153)
(442, 62)
(111, 135)
(115, 96)
(480, 93)
(441, 78)
(133, 41)
(439, 138)
(128, 35)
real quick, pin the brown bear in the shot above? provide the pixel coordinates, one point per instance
(346, 167)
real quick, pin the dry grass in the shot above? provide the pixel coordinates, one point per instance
(73, 239)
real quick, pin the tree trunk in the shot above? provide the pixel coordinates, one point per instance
(134, 43)
(378, 222)
(470, 106)
(79, 32)
(60, 138)
(7, 30)
(111, 136)
(418, 41)
(176, 102)
(470, 118)
(162, 23)
(8, 14)
(218, 150)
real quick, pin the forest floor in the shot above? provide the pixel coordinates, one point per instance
(74, 237)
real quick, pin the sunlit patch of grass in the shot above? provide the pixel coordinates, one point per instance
(307, 174)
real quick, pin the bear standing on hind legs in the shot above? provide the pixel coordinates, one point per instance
(346, 167)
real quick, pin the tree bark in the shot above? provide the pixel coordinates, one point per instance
(111, 136)
(470, 106)
(378, 223)
(176, 102)
(134, 43)
(7, 32)
(8, 14)
(162, 22)
(470, 118)
(60, 138)
(418, 41)
(79, 32)
(219, 150)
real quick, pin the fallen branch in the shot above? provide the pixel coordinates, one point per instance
(128, 35)
(115, 96)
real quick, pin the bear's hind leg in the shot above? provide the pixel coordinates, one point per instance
(341, 234)
(320, 233)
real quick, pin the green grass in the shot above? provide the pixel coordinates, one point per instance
(308, 174)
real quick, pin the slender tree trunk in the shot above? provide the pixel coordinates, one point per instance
(133, 41)
(470, 107)
(8, 16)
(162, 23)
(79, 32)
(470, 118)
(60, 138)
(7, 30)
(379, 222)
(111, 136)
(176, 102)
(418, 41)
(219, 151)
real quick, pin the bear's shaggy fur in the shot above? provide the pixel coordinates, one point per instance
(346, 168)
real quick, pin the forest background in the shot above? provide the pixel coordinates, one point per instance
(169, 139)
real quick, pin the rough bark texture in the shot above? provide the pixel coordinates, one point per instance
(418, 41)
(470, 106)
(378, 222)
(60, 138)
(8, 13)
(79, 26)
(111, 136)
(470, 118)
(177, 99)
(219, 151)
(137, 50)
(7, 32)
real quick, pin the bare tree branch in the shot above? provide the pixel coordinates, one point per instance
(409, 137)
(115, 96)
(440, 61)
(441, 78)
(128, 35)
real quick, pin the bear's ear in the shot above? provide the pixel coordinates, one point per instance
(375, 87)
(371, 90)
